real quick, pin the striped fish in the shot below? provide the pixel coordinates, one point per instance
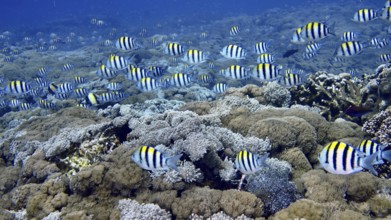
(364, 15)
(313, 31)
(180, 80)
(249, 163)
(67, 67)
(148, 84)
(291, 79)
(312, 47)
(174, 49)
(151, 159)
(350, 48)
(117, 62)
(341, 158)
(236, 72)
(386, 57)
(233, 52)
(261, 47)
(195, 57)
(371, 147)
(220, 88)
(265, 58)
(349, 36)
(234, 30)
(296, 37)
(266, 72)
(136, 74)
(125, 43)
(18, 87)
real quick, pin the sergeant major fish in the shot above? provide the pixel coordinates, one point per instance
(151, 159)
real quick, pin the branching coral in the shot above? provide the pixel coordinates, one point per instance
(333, 94)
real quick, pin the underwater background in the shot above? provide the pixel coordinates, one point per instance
(195, 109)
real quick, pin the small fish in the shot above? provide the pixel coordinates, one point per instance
(151, 159)
(204, 35)
(341, 158)
(233, 52)
(236, 72)
(371, 147)
(114, 96)
(205, 78)
(81, 92)
(108, 43)
(117, 62)
(364, 15)
(24, 106)
(313, 31)
(14, 103)
(156, 71)
(64, 88)
(349, 36)
(291, 79)
(385, 57)
(180, 80)
(220, 88)
(137, 73)
(266, 72)
(265, 58)
(249, 163)
(40, 81)
(45, 104)
(125, 43)
(350, 48)
(174, 49)
(296, 38)
(67, 67)
(261, 47)
(234, 30)
(312, 47)
(148, 84)
(307, 56)
(42, 71)
(18, 87)
(79, 80)
(114, 86)
(194, 57)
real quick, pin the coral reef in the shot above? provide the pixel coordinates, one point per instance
(131, 209)
(92, 174)
(332, 94)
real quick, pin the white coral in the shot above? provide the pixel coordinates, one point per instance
(131, 209)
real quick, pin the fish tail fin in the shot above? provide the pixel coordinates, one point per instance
(171, 161)
(367, 163)
(262, 160)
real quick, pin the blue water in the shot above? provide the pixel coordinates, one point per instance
(27, 13)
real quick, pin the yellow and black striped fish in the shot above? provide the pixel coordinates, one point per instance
(266, 72)
(195, 57)
(341, 158)
(236, 72)
(313, 31)
(233, 52)
(180, 80)
(125, 43)
(117, 62)
(18, 87)
(151, 159)
(249, 163)
(364, 15)
(350, 48)
(174, 49)
(148, 84)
